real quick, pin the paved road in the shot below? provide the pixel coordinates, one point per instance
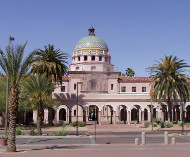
(156, 137)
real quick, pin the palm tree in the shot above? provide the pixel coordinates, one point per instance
(15, 69)
(39, 90)
(50, 62)
(170, 82)
(130, 72)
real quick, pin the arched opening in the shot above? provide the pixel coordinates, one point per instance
(62, 114)
(145, 114)
(123, 114)
(154, 113)
(93, 113)
(51, 115)
(134, 114)
(188, 113)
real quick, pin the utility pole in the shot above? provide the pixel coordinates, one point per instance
(151, 98)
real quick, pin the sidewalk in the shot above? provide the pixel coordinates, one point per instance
(179, 150)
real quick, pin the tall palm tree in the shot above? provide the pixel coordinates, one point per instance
(15, 68)
(39, 90)
(50, 62)
(130, 72)
(170, 82)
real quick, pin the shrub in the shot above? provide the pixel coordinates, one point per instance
(74, 124)
(157, 120)
(81, 124)
(62, 124)
(32, 133)
(168, 124)
(187, 125)
(20, 131)
(155, 124)
(59, 133)
(147, 124)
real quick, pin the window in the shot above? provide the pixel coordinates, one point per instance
(123, 89)
(100, 58)
(75, 112)
(62, 88)
(77, 68)
(85, 58)
(78, 58)
(133, 89)
(93, 58)
(106, 59)
(93, 68)
(75, 86)
(143, 89)
(111, 86)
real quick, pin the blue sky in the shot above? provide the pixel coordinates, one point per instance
(137, 32)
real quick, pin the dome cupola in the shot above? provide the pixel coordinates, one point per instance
(91, 50)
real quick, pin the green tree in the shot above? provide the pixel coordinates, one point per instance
(130, 72)
(2, 93)
(39, 91)
(15, 68)
(50, 62)
(170, 82)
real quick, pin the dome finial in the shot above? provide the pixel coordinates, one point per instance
(91, 31)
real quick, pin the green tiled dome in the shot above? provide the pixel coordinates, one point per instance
(91, 42)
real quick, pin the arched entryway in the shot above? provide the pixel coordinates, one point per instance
(123, 113)
(145, 114)
(154, 112)
(134, 114)
(107, 112)
(62, 114)
(93, 113)
(188, 113)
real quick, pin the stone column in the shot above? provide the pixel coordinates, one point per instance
(35, 116)
(142, 117)
(129, 117)
(114, 117)
(57, 114)
(46, 116)
(149, 116)
(99, 117)
(156, 113)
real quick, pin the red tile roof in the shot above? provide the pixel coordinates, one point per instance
(65, 78)
(134, 79)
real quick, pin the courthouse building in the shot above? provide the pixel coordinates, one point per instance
(101, 93)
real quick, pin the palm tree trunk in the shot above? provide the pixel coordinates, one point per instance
(169, 109)
(13, 107)
(39, 118)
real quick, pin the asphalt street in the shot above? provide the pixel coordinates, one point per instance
(156, 137)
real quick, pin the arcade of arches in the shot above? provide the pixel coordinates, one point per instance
(109, 114)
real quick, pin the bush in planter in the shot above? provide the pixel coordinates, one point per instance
(3, 140)
(168, 124)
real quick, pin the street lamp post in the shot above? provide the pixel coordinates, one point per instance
(77, 132)
(77, 112)
(7, 90)
(151, 99)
